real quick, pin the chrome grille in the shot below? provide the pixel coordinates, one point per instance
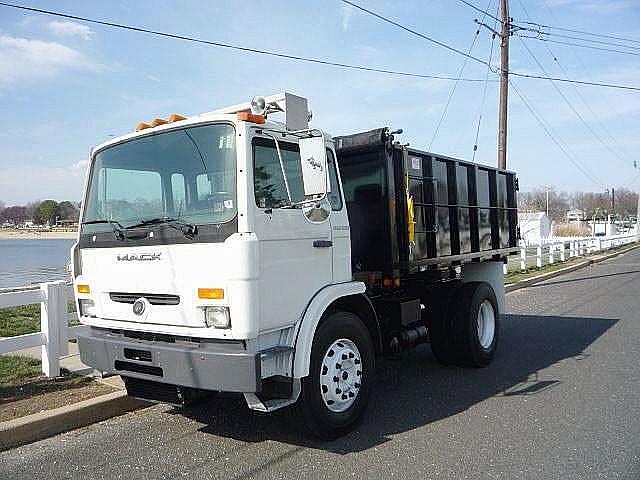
(153, 298)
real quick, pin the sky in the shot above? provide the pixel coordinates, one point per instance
(66, 86)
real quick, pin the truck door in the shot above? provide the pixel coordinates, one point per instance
(296, 255)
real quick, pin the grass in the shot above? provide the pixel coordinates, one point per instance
(19, 320)
(15, 368)
(24, 319)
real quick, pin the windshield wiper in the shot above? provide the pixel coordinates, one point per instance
(187, 229)
(117, 227)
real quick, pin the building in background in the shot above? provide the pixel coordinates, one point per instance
(534, 226)
(576, 216)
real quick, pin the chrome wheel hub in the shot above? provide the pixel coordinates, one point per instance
(486, 324)
(340, 375)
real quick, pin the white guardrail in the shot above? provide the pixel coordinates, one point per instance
(55, 332)
(559, 249)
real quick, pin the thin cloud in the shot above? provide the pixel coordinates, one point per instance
(610, 6)
(70, 29)
(79, 167)
(24, 60)
(347, 13)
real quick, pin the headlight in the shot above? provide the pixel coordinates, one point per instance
(87, 308)
(217, 317)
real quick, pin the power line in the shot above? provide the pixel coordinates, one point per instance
(577, 82)
(455, 85)
(581, 45)
(563, 96)
(316, 60)
(586, 103)
(601, 35)
(570, 105)
(455, 50)
(553, 138)
(584, 39)
(484, 95)
(230, 46)
(414, 32)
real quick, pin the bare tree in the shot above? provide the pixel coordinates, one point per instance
(536, 200)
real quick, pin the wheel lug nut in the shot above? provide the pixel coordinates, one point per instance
(344, 356)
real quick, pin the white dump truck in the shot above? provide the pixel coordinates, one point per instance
(243, 251)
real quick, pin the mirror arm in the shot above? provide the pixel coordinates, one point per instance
(284, 173)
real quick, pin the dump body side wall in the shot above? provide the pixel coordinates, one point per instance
(462, 211)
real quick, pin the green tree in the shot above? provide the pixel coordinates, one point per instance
(68, 211)
(46, 212)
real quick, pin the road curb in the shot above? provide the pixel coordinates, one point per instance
(45, 424)
(512, 287)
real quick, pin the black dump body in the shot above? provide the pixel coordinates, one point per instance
(462, 211)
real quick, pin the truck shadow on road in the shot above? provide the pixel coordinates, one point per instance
(414, 390)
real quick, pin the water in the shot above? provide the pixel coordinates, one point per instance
(24, 262)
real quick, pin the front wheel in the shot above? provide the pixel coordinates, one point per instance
(336, 391)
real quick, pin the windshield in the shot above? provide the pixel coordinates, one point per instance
(187, 174)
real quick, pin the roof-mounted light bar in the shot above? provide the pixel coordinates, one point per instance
(159, 121)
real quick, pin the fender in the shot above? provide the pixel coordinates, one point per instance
(306, 328)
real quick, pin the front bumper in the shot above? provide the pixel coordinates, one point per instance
(204, 364)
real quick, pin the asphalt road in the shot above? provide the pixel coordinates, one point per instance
(562, 400)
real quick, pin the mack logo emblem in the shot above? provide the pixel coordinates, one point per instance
(143, 257)
(139, 306)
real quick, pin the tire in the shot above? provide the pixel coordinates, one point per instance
(476, 324)
(327, 413)
(440, 326)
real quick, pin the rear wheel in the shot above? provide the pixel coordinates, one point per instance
(336, 392)
(468, 333)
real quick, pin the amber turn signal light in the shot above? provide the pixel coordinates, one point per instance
(250, 117)
(211, 293)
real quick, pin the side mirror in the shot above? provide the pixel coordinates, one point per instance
(313, 158)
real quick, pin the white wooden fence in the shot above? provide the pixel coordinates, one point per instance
(55, 332)
(559, 249)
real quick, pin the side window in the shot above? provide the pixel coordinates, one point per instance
(334, 195)
(178, 192)
(269, 186)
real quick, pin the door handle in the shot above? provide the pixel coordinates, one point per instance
(322, 243)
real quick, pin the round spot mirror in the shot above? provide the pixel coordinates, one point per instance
(317, 212)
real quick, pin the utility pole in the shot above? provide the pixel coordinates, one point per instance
(547, 201)
(613, 200)
(636, 166)
(504, 84)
